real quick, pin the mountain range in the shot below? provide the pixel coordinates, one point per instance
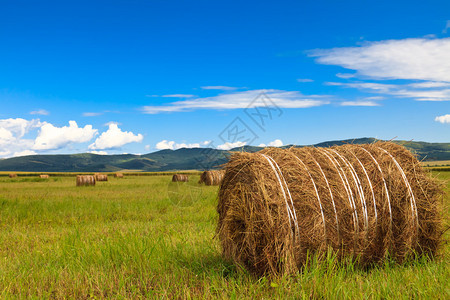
(181, 159)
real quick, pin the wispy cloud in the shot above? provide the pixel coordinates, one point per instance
(172, 145)
(304, 80)
(92, 114)
(220, 87)
(443, 119)
(42, 112)
(359, 103)
(236, 100)
(172, 96)
(416, 59)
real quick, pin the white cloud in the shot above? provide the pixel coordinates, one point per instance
(173, 96)
(228, 145)
(443, 119)
(51, 137)
(417, 59)
(303, 80)
(219, 87)
(359, 103)
(345, 75)
(92, 114)
(172, 145)
(12, 132)
(24, 153)
(275, 143)
(114, 137)
(42, 112)
(98, 152)
(282, 99)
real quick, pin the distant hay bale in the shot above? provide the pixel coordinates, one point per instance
(100, 177)
(44, 176)
(211, 177)
(180, 177)
(118, 175)
(365, 202)
(85, 180)
(12, 175)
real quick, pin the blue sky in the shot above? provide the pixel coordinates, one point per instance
(138, 76)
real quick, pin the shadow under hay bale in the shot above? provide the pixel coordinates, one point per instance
(211, 177)
(180, 177)
(278, 206)
(44, 176)
(85, 180)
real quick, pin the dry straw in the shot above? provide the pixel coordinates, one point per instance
(118, 175)
(101, 177)
(85, 180)
(365, 202)
(12, 175)
(44, 176)
(211, 177)
(180, 177)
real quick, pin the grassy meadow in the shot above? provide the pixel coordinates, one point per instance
(144, 237)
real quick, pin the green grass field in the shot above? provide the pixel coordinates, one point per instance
(143, 236)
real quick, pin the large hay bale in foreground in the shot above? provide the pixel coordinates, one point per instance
(211, 177)
(180, 177)
(44, 176)
(12, 175)
(278, 206)
(101, 177)
(118, 175)
(85, 180)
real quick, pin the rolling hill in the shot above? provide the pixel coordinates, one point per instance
(181, 159)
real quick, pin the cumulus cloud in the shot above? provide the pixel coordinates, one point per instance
(235, 100)
(98, 152)
(52, 137)
(24, 153)
(228, 145)
(443, 119)
(42, 112)
(275, 143)
(114, 137)
(172, 145)
(12, 132)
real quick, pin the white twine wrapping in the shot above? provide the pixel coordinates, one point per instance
(291, 213)
(385, 185)
(346, 185)
(317, 193)
(359, 188)
(408, 186)
(331, 193)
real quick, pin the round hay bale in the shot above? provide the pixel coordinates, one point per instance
(118, 175)
(101, 177)
(211, 177)
(364, 202)
(12, 175)
(180, 177)
(44, 176)
(85, 180)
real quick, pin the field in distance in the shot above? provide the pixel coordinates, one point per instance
(143, 236)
